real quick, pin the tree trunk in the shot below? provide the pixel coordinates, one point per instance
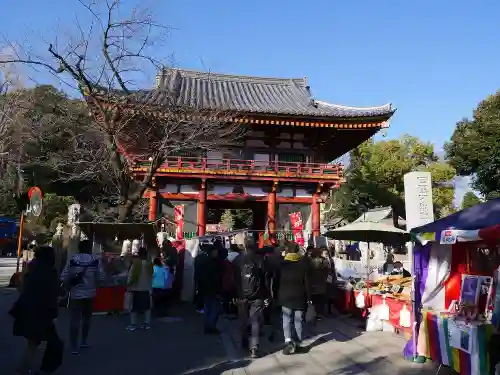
(125, 211)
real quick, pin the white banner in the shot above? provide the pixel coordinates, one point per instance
(362, 267)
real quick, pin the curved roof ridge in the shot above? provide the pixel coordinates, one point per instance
(388, 105)
(191, 73)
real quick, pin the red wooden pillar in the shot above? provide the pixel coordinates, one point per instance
(153, 205)
(202, 209)
(315, 213)
(271, 215)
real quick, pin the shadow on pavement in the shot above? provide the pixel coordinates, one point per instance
(272, 340)
(176, 347)
(219, 369)
(430, 369)
(355, 369)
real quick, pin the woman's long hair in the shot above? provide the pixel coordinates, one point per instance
(45, 256)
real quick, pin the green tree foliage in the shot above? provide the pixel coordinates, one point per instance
(470, 199)
(227, 219)
(39, 141)
(374, 177)
(242, 219)
(474, 149)
(55, 210)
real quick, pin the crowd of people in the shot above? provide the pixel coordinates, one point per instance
(149, 286)
(244, 282)
(252, 283)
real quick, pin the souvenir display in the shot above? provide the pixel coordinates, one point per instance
(459, 335)
(396, 286)
(469, 291)
(495, 300)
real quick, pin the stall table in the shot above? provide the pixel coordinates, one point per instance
(395, 307)
(434, 343)
(345, 302)
(109, 299)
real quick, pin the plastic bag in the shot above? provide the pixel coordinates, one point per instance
(373, 325)
(387, 327)
(310, 314)
(405, 317)
(127, 302)
(384, 310)
(360, 300)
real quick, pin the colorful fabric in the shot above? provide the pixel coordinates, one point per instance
(438, 278)
(451, 236)
(434, 343)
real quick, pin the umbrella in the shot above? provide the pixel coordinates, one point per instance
(367, 231)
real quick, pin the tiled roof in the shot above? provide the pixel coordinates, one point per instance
(246, 94)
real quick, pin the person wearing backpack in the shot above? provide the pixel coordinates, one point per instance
(294, 296)
(254, 292)
(81, 277)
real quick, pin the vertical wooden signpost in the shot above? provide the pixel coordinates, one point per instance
(34, 209)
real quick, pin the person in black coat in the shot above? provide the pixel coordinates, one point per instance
(36, 309)
(210, 286)
(199, 263)
(253, 285)
(294, 296)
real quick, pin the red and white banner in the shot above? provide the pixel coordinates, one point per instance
(297, 228)
(179, 222)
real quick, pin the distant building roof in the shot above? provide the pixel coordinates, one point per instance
(380, 215)
(247, 94)
(375, 215)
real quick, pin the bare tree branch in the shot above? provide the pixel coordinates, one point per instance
(104, 62)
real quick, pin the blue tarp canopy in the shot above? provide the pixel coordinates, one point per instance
(8, 227)
(480, 216)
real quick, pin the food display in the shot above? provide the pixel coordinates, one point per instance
(396, 286)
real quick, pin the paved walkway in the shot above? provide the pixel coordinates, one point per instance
(171, 348)
(335, 347)
(178, 347)
(7, 269)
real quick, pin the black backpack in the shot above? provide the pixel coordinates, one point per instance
(252, 278)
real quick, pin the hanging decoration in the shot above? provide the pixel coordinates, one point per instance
(179, 222)
(297, 227)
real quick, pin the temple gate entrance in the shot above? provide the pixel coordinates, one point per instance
(254, 212)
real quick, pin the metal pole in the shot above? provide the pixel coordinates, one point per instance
(413, 302)
(20, 241)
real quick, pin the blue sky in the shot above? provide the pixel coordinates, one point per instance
(434, 60)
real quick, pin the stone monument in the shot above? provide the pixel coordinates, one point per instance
(72, 231)
(58, 245)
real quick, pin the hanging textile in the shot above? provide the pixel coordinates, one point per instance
(179, 222)
(297, 227)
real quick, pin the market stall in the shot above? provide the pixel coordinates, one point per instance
(386, 298)
(456, 273)
(365, 300)
(108, 239)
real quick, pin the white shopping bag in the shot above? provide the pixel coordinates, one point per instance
(384, 310)
(405, 317)
(310, 314)
(360, 300)
(127, 302)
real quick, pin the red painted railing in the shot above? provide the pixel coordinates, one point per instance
(235, 166)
